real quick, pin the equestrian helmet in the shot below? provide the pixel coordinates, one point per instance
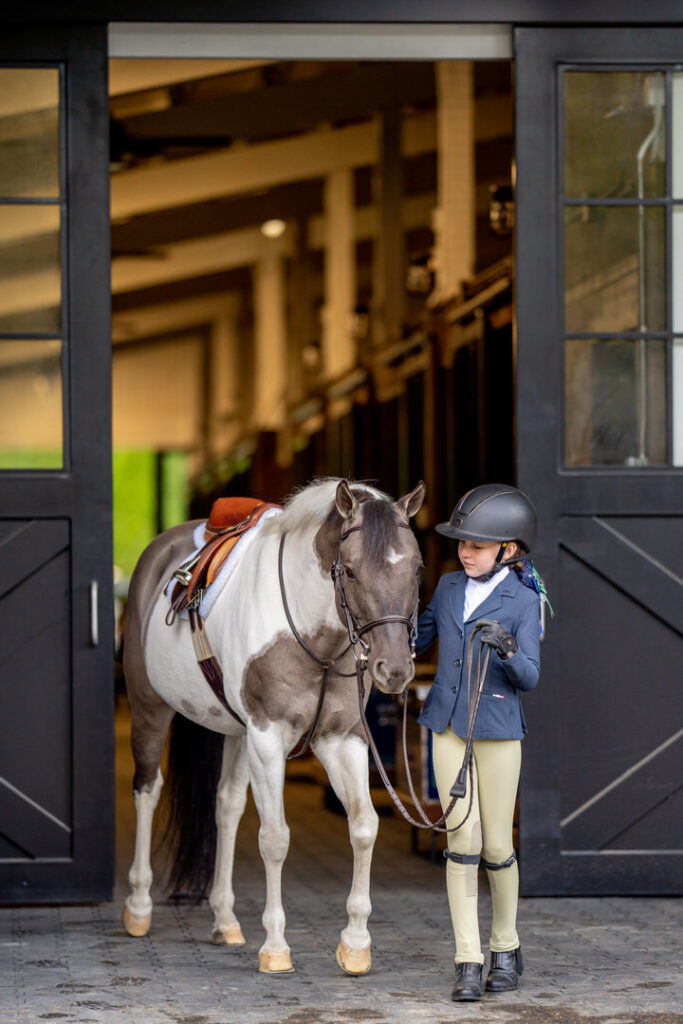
(493, 512)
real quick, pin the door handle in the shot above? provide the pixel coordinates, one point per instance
(94, 614)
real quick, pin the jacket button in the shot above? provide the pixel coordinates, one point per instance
(454, 689)
(458, 661)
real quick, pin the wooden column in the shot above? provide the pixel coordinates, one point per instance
(340, 274)
(270, 341)
(455, 217)
(225, 386)
(389, 251)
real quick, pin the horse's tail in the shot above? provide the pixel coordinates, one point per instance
(194, 768)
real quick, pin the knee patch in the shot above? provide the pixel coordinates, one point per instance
(471, 863)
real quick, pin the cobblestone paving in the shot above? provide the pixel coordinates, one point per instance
(603, 961)
(588, 961)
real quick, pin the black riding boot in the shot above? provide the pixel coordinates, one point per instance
(467, 983)
(505, 970)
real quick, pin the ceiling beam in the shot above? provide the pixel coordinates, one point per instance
(128, 75)
(338, 94)
(294, 201)
(199, 257)
(260, 166)
(221, 283)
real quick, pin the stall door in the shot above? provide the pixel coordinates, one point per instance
(56, 689)
(600, 447)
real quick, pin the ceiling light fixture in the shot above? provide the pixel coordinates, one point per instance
(273, 228)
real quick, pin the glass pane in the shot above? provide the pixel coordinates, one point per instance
(677, 390)
(30, 404)
(29, 269)
(29, 132)
(677, 269)
(677, 135)
(615, 268)
(614, 134)
(615, 402)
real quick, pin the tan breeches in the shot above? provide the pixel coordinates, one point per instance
(487, 831)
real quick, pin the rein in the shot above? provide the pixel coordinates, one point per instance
(356, 632)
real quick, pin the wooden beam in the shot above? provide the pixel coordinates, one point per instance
(243, 170)
(337, 94)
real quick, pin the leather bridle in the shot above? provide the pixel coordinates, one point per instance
(356, 632)
(354, 629)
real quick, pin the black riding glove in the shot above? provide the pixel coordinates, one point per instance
(493, 633)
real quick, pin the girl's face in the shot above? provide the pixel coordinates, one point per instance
(479, 556)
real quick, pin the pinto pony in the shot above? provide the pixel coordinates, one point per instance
(272, 680)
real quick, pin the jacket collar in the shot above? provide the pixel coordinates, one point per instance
(507, 588)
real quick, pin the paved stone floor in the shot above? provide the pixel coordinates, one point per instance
(589, 961)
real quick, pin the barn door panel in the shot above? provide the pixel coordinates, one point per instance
(600, 435)
(56, 687)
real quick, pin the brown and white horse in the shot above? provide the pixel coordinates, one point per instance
(273, 684)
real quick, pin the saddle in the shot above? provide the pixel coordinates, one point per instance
(230, 518)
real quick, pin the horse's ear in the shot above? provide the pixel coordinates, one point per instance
(408, 505)
(345, 500)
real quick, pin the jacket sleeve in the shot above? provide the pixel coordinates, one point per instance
(522, 669)
(427, 629)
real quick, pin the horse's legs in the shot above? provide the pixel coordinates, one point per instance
(149, 725)
(230, 803)
(267, 771)
(345, 760)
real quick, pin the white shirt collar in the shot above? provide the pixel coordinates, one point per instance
(476, 592)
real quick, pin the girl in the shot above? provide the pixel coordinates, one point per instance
(495, 526)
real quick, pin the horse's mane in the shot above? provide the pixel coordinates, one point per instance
(310, 506)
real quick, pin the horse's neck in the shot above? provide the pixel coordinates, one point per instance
(309, 592)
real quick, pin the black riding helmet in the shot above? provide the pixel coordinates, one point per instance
(495, 512)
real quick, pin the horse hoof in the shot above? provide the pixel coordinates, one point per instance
(135, 925)
(275, 963)
(354, 961)
(229, 935)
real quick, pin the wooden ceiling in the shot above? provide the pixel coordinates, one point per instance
(204, 152)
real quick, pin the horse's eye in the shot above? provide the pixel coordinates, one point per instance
(349, 573)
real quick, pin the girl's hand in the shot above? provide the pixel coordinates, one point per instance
(493, 633)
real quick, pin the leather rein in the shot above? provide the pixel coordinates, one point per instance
(356, 632)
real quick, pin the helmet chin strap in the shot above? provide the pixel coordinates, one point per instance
(498, 565)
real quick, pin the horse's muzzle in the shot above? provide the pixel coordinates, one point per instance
(392, 677)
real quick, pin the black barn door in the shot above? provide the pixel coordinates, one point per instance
(56, 689)
(600, 447)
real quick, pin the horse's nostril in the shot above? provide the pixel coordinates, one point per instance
(380, 671)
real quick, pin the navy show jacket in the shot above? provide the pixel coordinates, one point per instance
(517, 609)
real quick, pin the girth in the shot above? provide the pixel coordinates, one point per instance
(230, 518)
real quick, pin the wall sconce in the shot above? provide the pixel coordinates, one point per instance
(501, 209)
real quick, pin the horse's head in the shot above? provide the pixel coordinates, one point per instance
(376, 565)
